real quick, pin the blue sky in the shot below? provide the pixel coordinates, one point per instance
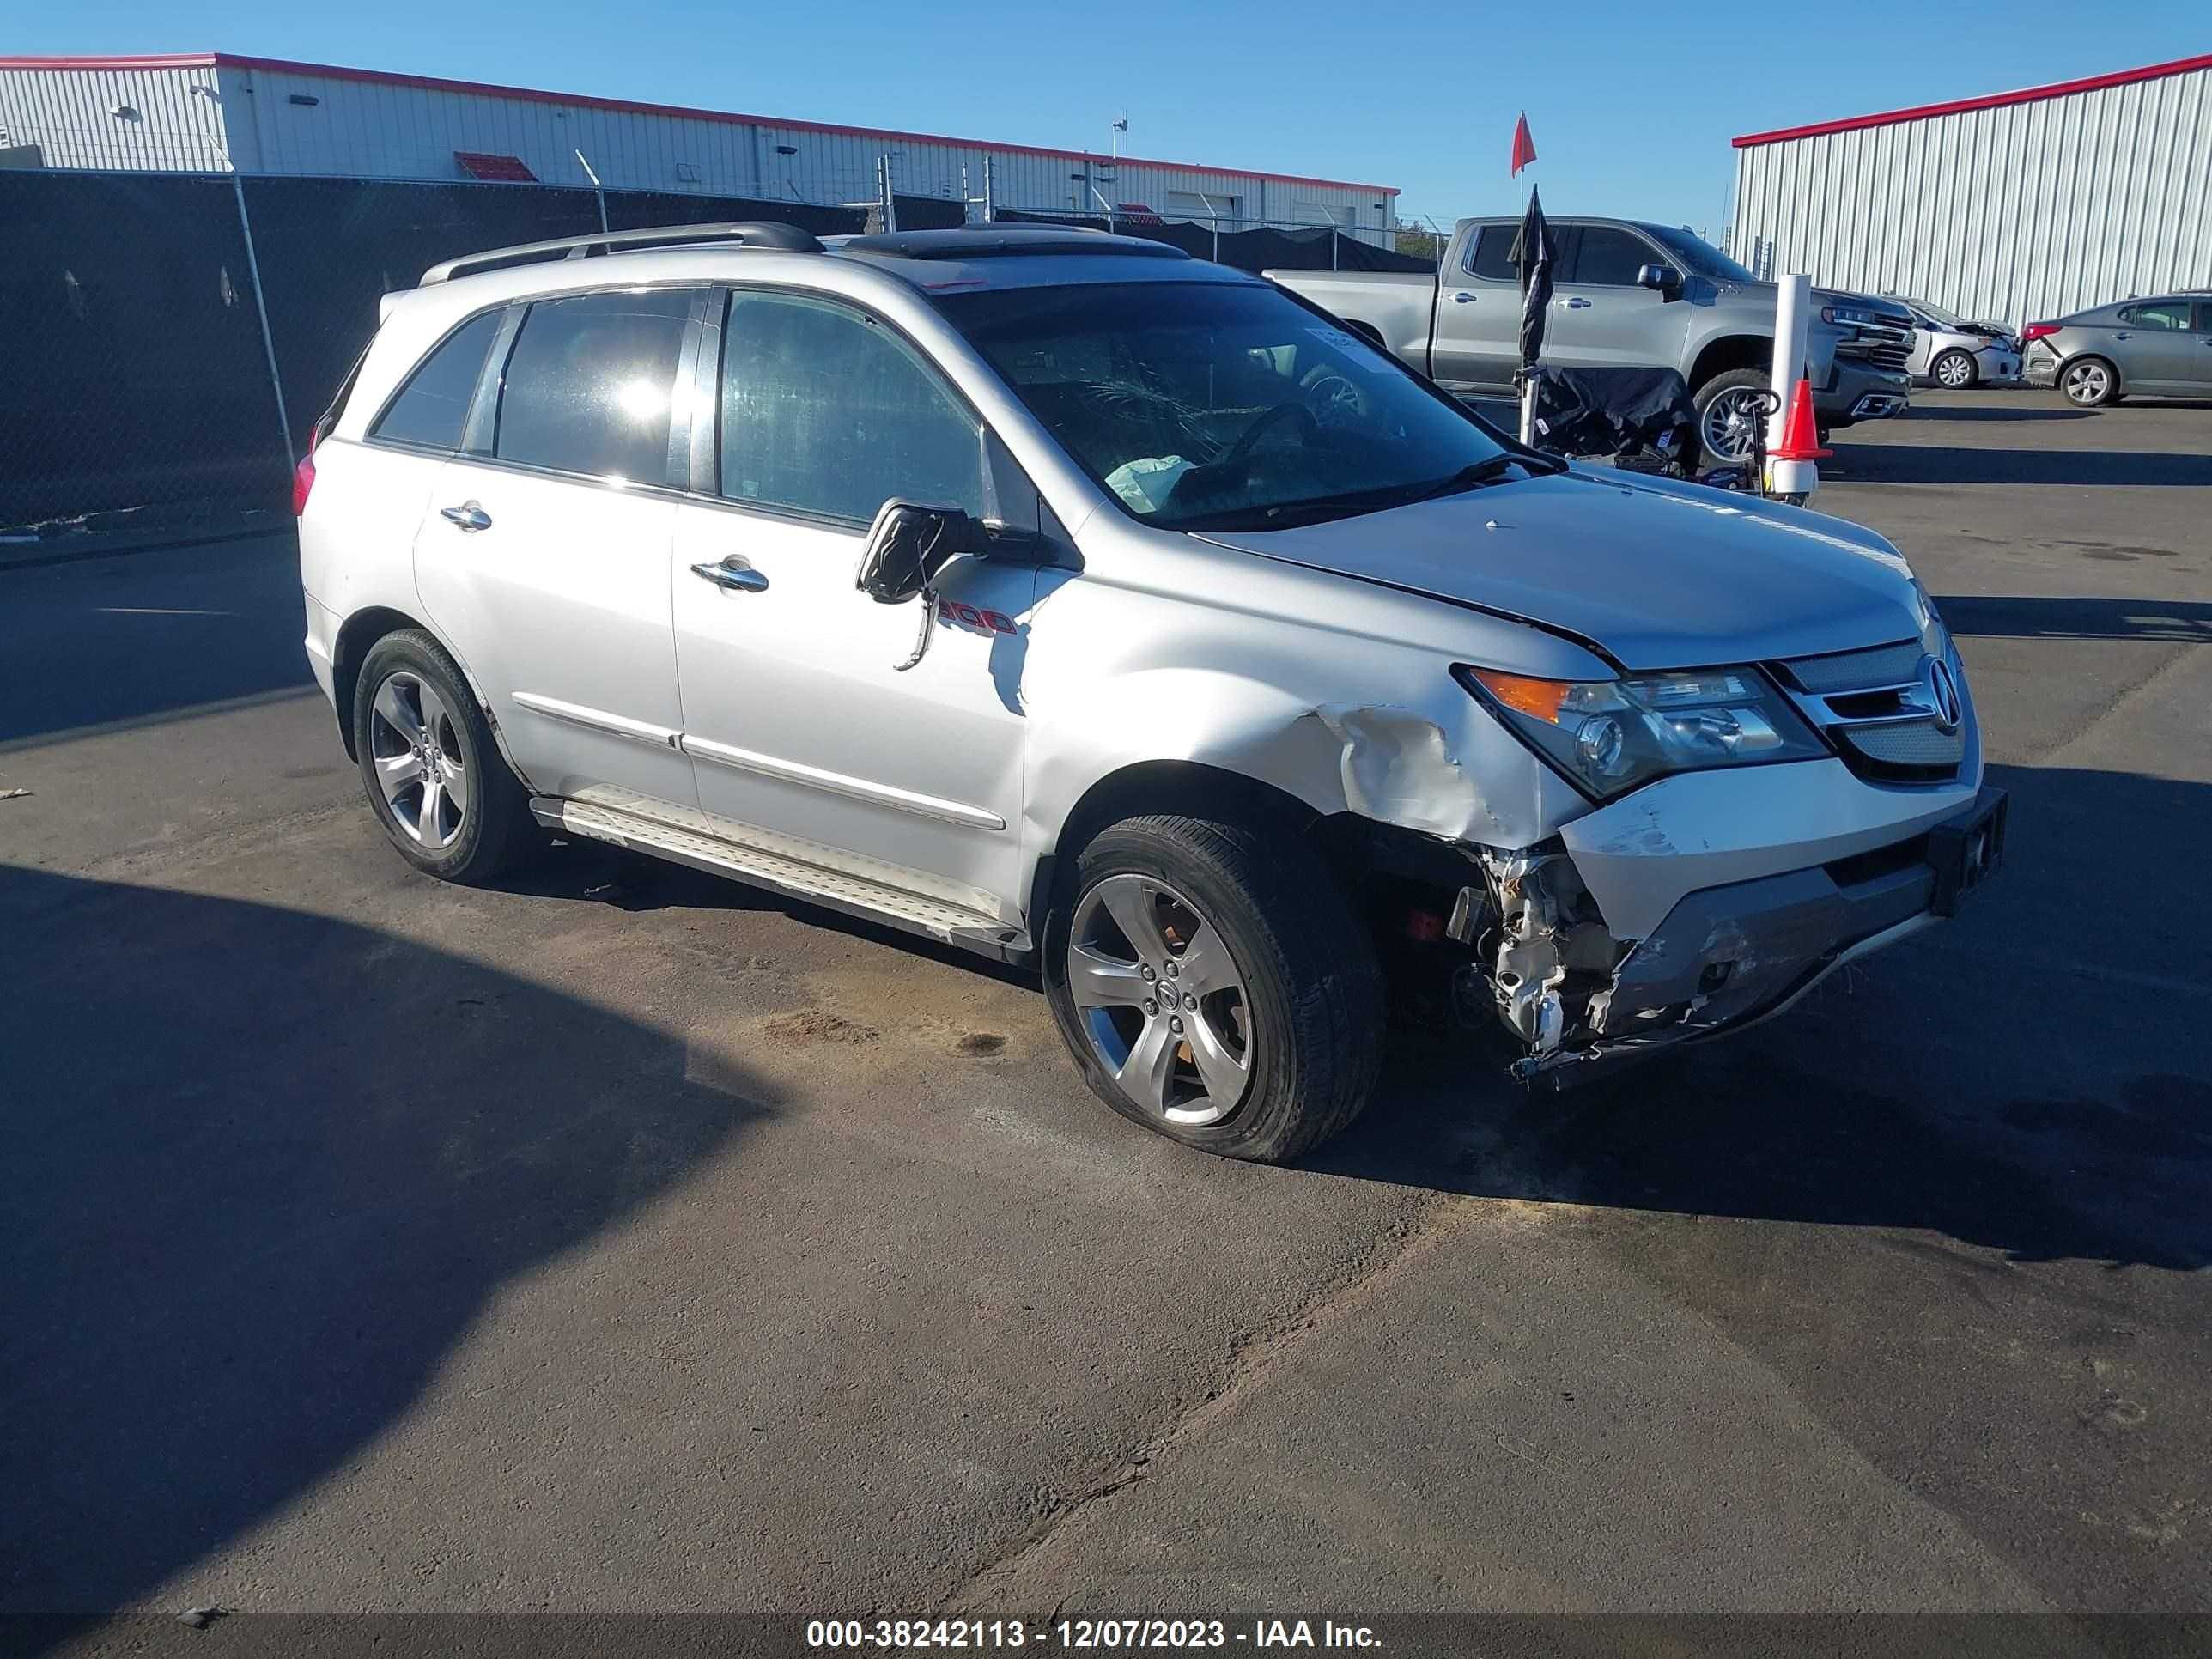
(1631, 106)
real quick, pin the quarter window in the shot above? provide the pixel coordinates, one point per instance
(825, 411)
(589, 384)
(433, 407)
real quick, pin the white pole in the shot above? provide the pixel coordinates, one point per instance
(1795, 480)
(1528, 412)
(1793, 319)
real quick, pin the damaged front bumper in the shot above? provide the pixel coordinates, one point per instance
(1722, 957)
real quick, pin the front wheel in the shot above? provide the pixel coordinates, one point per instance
(1732, 409)
(1954, 370)
(1212, 990)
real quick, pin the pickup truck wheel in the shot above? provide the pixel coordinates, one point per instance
(1731, 408)
(435, 780)
(1215, 988)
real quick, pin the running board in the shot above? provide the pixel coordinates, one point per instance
(833, 890)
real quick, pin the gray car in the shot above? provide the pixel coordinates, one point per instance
(1956, 354)
(1627, 294)
(2161, 347)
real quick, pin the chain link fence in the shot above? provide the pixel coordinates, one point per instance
(175, 337)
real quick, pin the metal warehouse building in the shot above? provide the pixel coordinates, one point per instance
(215, 112)
(2014, 207)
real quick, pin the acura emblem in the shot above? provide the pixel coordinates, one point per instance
(1942, 693)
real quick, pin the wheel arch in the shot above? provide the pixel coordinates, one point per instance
(1149, 787)
(1729, 352)
(358, 637)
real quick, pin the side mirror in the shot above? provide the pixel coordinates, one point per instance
(1665, 278)
(907, 546)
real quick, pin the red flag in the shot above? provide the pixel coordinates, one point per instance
(1524, 147)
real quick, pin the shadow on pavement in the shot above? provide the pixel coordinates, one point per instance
(146, 637)
(263, 1171)
(2018, 616)
(1984, 412)
(1938, 464)
(1942, 1097)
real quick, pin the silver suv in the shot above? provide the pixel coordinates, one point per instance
(1057, 596)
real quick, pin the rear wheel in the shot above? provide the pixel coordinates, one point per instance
(1955, 369)
(2089, 382)
(1218, 994)
(435, 780)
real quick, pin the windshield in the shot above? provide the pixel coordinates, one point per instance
(1224, 405)
(1943, 319)
(1696, 254)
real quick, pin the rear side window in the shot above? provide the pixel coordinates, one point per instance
(433, 407)
(1493, 253)
(589, 383)
(2163, 313)
(826, 412)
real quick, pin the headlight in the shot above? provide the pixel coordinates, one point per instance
(1844, 316)
(1612, 736)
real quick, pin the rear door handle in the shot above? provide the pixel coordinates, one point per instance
(733, 573)
(1574, 304)
(1463, 298)
(468, 515)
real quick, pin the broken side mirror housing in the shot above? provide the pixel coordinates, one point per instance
(909, 544)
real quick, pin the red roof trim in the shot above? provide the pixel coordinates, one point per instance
(436, 83)
(1992, 100)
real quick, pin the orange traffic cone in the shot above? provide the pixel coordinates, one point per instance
(1801, 433)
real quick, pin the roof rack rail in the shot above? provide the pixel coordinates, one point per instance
(745, 233)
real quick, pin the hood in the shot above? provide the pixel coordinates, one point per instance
(1658, 574)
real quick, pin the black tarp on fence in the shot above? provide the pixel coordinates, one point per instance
(139, 383)
(135, 373)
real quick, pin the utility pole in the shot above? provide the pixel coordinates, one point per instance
(1114, 141)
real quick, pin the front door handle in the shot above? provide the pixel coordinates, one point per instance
(1463, 298)
(468, 515)
(733, 573)
(1574, 304)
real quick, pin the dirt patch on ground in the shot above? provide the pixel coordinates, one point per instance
(817, 1025)
(979, 1042)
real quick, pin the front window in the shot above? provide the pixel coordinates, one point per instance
(1697, 255)
(1223, 405)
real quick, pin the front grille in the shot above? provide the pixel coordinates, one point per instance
(1884, 350)
(1873, 706)
(1857, 671)
(1917, 746)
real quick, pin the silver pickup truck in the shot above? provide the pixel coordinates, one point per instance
(1626, 295)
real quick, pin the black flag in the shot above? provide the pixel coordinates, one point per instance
(1533, 253)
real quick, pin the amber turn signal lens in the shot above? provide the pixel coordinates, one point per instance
(1542, 699)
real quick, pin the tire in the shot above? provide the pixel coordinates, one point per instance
(1737, 380)
(1307, 1002)
(1954, 370)
(2089, 382)
(481, 822)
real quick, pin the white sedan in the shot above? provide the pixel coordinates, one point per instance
(1956, 353)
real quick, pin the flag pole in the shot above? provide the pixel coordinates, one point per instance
(1529, 374)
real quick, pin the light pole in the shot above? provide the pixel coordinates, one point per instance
(1114, 143)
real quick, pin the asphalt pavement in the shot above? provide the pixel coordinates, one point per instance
(623, 1240)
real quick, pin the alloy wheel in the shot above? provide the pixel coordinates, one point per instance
(1954, 371)
(415, 749)
(2088, 383)
(1161, 1000)
(1730, 423)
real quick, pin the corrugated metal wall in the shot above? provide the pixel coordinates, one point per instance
(166, 120)
(285, 121)
(2017, 213)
